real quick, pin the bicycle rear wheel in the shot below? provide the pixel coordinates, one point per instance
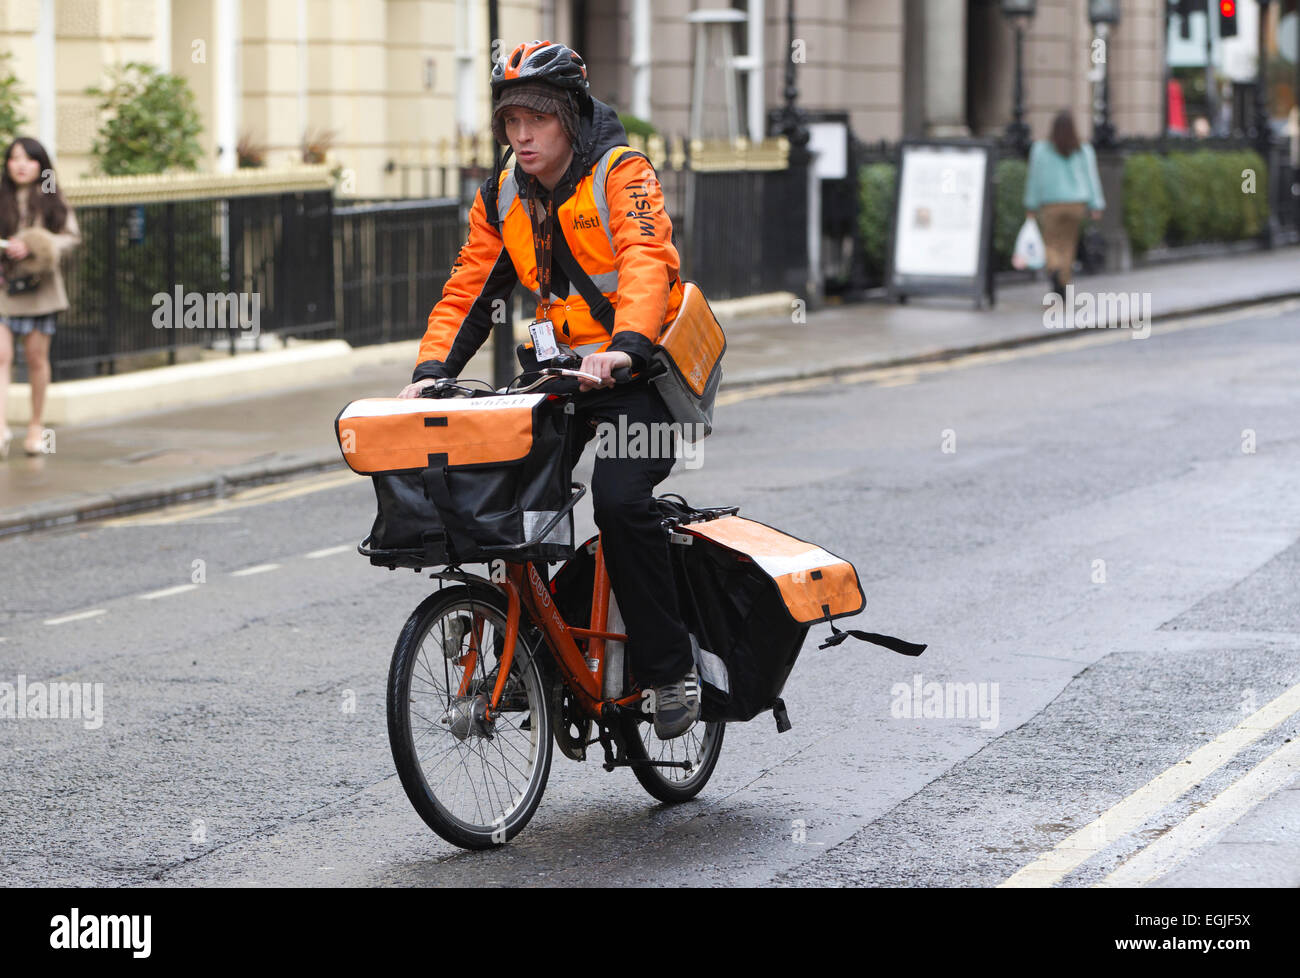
(701, 745)
(475, 783)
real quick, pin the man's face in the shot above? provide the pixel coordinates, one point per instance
(539, 142)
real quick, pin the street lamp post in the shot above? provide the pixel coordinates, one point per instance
(1104, 15)
(1020, 13)
(791, 121)
(1261, 132)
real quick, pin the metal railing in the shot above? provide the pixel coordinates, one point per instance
(168, 264)
(391, 261)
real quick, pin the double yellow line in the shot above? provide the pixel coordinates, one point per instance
(277, 492)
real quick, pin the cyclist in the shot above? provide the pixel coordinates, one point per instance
(581, 214)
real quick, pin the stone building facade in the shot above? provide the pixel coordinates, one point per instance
(392, 78)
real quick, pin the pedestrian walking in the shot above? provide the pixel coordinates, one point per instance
(38, 228)
(1062, 186)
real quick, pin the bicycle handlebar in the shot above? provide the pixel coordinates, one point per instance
(565, 376)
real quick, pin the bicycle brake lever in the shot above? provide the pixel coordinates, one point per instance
(565, 372)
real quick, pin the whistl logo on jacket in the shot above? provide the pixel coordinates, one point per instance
(642, 211)
(585, 221)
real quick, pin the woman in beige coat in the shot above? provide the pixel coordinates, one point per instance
(39, 228)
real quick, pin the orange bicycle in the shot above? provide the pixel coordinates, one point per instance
(492, 672)
(488, 675)
(475, 702)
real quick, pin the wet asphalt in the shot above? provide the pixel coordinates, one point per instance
(976, 503)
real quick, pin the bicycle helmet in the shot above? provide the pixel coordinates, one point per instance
(541, 61)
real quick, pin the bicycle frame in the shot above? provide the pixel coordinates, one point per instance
(524, 587)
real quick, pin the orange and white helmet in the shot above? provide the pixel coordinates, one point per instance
(541, 61)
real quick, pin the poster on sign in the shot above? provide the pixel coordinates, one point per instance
(943, 221)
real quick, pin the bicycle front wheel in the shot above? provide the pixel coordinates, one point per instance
(475, 782)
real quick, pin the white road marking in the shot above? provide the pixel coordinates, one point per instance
(257, 569)
(167, 592)
(77, 617)
(330, 551)
(1274, 772)
(1149, 800)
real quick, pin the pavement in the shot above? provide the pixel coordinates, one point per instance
(158, 458)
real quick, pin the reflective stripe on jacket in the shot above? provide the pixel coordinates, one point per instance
(615, 225)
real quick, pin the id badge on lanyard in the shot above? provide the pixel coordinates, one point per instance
(543, 333)
(542, 330)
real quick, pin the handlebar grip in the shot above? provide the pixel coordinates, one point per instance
(622, 375)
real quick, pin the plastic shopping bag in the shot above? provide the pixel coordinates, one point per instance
(1030, 252)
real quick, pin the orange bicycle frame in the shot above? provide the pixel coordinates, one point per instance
(583, 674)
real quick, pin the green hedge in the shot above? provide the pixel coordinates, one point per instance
(1188, 198)
(1144, 182)
(875, 198)
(1179, 198)
(1008, 208)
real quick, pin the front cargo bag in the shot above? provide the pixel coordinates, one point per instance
(462, 479)
(750, 594)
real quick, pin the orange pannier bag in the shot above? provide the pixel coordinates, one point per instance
(462, 479)
(749, 594)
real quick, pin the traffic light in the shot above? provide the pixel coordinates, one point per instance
(1227, 18)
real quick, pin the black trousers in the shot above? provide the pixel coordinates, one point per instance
(635, 545)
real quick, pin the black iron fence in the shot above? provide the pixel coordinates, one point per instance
(154, 283)
(281, 250)
(747, 232)
(391, 260)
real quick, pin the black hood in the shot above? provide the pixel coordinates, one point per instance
(598, 132)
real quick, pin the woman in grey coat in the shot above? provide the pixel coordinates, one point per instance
(38, 228)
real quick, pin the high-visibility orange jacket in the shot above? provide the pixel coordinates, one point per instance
(610, 209)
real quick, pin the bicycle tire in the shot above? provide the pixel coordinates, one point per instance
(454, 731)
(639, 741)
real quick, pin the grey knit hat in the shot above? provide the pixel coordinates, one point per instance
(540, 97)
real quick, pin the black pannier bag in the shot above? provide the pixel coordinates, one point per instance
(463, 479)
(749, 594)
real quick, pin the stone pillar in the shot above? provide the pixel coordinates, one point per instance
(945, 69)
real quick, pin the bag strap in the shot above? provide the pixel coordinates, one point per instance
(458, 532)
(600, 307)
(884, 641)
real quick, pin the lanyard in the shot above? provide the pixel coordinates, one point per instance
(543, 228)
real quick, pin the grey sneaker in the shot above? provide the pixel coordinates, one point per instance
(677, 706)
